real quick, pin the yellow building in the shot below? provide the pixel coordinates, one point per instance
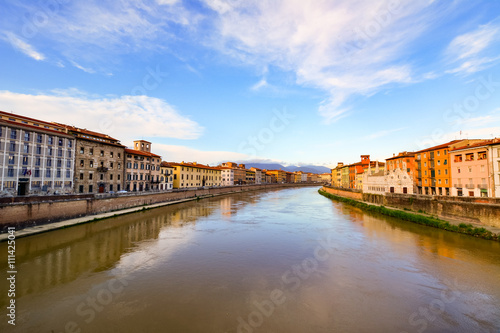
(297, 176)
(280, 175)
(193, 175)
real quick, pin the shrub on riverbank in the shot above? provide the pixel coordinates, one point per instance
(462, 228)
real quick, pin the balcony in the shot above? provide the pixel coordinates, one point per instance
(457, 185)
(482, 186)
(469, 186)
(102, 169)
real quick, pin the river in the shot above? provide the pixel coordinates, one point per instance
(285, 260)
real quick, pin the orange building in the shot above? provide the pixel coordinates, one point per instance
(279, 174)
(433, 173)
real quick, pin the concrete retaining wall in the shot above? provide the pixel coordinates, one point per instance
(484, 211)
(46, 209)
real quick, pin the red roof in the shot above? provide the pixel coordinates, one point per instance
(3, 113)
(478, 144)
(196, 165)
(444, 145)
(138, 152)
(38, 128)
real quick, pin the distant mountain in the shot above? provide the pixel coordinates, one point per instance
(292, 168)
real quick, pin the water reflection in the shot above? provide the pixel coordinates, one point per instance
(202, 266)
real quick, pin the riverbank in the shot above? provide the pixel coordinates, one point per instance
(23, 230)
(485, 232)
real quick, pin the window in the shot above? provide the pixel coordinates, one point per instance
(119, 177)
(445, 171)
(111, 165)
(446, 181)
(13, 134)
(37, 172)
(119, 155)
(69, 153)
(12, 146)
(111, 177)
(81, 175)
(102, 176)
(458, 170)
(438, 153)
(12, 159)
(59, 153)
(439, 172)
(49, 151)
(60, 142)
(470, 169)
(39, 138)
(102, 153)
(38, 150)
(59, 163)
(50, 140)
(10, 172)
(49, 162)
(91, 164)
(38, 161)
(80, 189)
(91, 188)
(91, 175)
(91, 151)
(469, 157)
(26, 136)
(82, 150)
(58, 173)
(482, 169)
(68, 164)
(439, 162)
(70, 143)
(25, 160)
(47, 173)
(111, 154)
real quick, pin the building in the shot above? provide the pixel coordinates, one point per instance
(345, 176)
(297, 177)
(258, 175)
(239, 172)
(375, 181)
(337, 175)
(36, 157)
(99, 161)
(280, 175)
(166, 176)
(404, 161)
(494, 166)
(470, 174)
(142, 167)
(227, 176)
(433, 173)
(250, 176)
(194, 175)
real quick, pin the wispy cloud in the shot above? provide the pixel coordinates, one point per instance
(188, 154)
(86, 70)
(22, 46)
(474, 51)
(126, 117)
(344, 48)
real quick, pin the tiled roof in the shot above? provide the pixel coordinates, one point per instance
(3, 113)
(444, 145)
(478, 144)
(37, 128)
(195, 165)
(138, 152)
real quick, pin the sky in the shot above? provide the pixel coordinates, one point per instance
(288, 81)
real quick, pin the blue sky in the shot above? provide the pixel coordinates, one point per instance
(296, 82)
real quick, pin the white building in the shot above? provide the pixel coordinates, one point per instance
(258, 175)
(381, 181)
(36, 157)
(227, 176)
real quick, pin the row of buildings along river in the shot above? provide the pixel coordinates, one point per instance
(39, 157)
(456, 168)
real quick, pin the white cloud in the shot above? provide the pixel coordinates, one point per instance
(22, 46)
(126, 118)
(260, 85)
(342, 47)
(86, 70)
(473, 51)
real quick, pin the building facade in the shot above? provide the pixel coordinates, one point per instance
(494, 167)
(166, 176)
(36, 157)
(99, 161)
(194, 175)
(142, 168)
(470, 172)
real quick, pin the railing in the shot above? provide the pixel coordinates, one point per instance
(482, 186)
(457, 185)
(102, 169)
(469, 186)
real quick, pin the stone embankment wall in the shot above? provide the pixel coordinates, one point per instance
(29, 211)
(484, 211)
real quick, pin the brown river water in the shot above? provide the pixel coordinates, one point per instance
(285, 260)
